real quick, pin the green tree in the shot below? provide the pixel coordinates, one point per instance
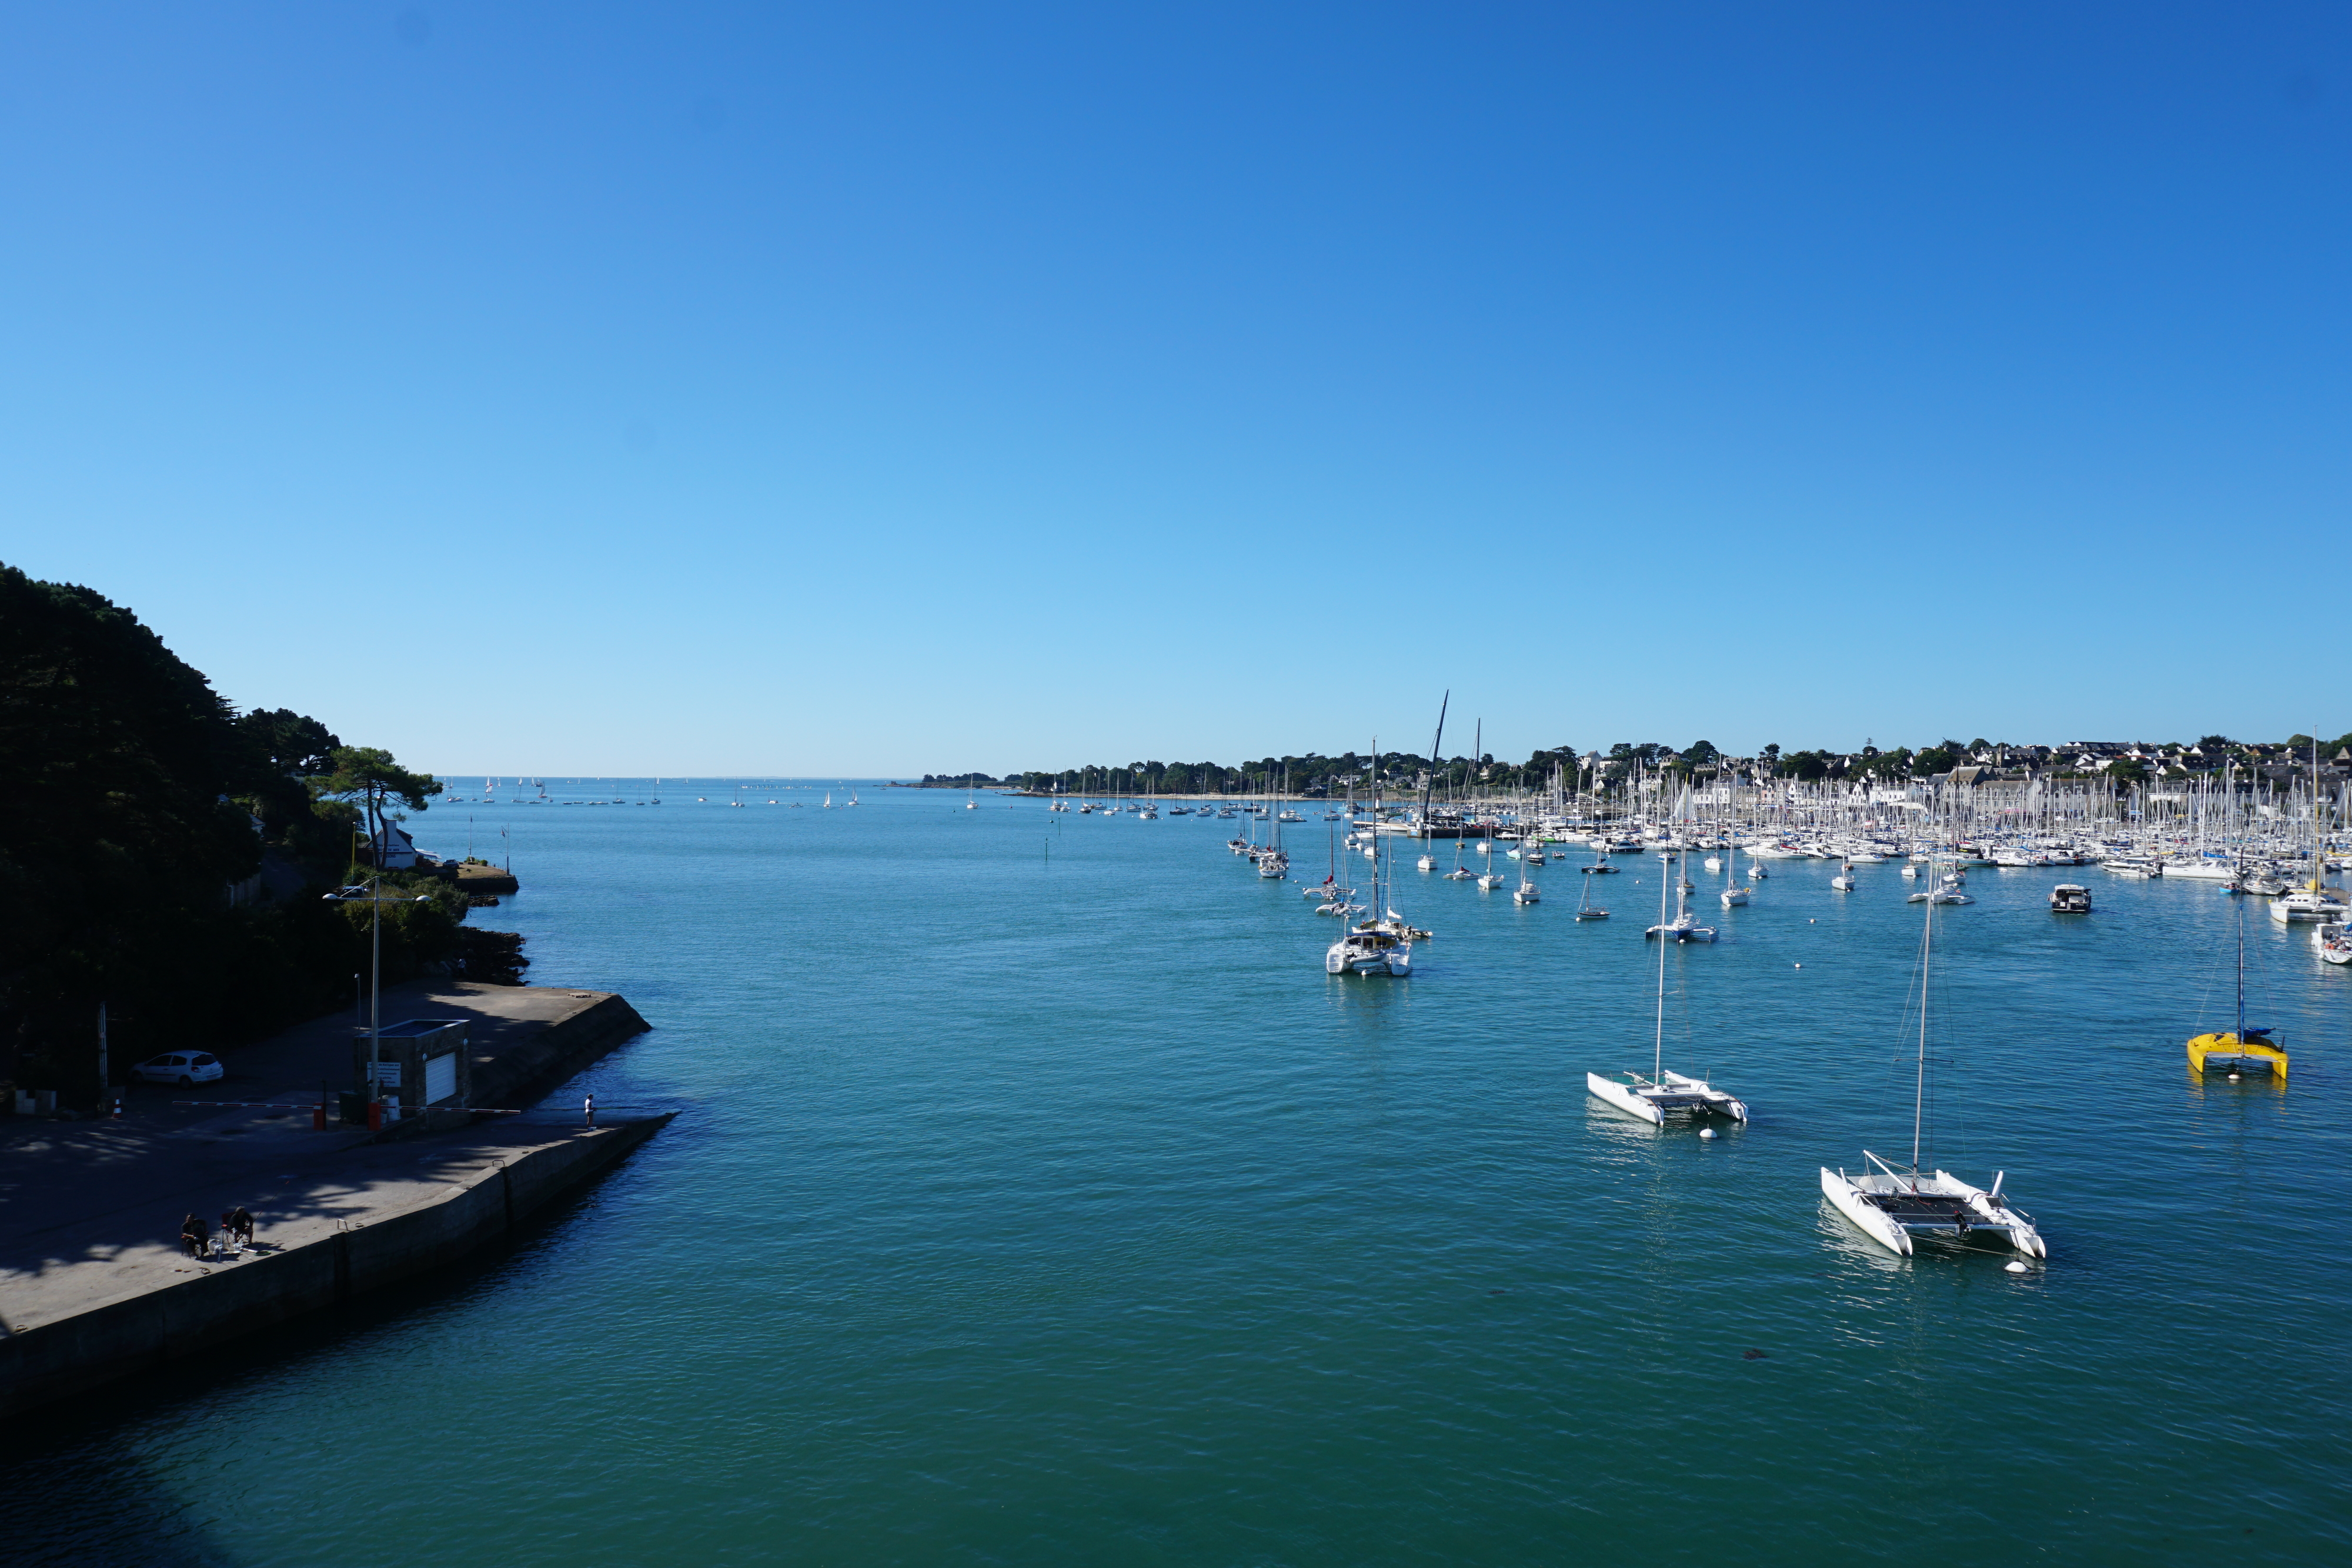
(369, 777)
(2127, 770)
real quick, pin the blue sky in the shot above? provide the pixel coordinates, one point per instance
(867, 390)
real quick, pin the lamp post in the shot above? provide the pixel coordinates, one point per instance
(371, 893)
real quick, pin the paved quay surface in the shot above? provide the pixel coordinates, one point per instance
(48, 1273)
(91, 1210)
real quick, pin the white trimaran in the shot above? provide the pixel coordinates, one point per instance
(1891, 1206)
(1663, 1093)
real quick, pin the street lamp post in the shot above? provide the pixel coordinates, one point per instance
(371, 893)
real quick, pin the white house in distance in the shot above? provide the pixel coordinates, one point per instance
(393, 850)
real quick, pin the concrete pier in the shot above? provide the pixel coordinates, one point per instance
(93, 1285)
(93, 1310)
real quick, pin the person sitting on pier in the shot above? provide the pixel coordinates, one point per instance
(194, 1236)
(240, 1226)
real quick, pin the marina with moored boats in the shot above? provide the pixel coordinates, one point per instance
(2281, 850)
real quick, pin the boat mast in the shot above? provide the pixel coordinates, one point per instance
(1434, 747)
(2242, 970)
(2319, 861)
(1919, 1087)
(1658, 1041)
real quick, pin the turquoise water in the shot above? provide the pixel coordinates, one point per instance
(1036, 1198)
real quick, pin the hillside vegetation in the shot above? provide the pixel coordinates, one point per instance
(163, 855)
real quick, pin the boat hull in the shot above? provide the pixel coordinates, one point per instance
(1847, 1199)
(1621, 1097)
(2227, 1054)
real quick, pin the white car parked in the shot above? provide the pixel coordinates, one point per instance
(181, 1067)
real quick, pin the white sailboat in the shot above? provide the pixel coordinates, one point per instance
(1382, 946)
(2312, 903)
(1891, 1206)
(1662, 1093)
(1685, 925)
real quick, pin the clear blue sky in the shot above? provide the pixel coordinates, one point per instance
(872, 389)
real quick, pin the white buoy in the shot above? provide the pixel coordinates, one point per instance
(1800, 965)
(2233, 1078)
(2014, 1268)
(1707, 1132)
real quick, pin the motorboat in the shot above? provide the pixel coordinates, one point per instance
(2335, 943)
(2133, 866)
(1843, 881)
(2067, 898)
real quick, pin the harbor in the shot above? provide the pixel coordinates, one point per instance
(1294, 1215)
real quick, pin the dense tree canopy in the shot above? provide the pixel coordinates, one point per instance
(136, 808)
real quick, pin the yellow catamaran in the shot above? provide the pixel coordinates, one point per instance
(2243, 1049)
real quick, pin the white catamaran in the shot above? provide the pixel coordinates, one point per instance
(1891, 1206)
(1662, 1093)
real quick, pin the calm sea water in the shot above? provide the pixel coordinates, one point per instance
(1036, 1198)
